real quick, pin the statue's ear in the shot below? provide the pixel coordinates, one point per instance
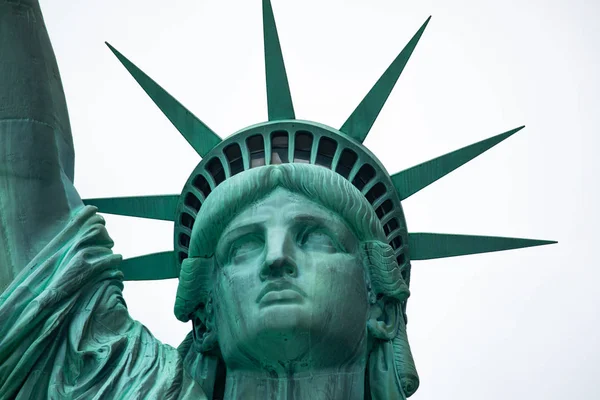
(203, 328)
(384, 316)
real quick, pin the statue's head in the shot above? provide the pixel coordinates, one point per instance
(291, 246)
(289, 271)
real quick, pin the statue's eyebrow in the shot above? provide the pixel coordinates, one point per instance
(313, 219)
(324, 221)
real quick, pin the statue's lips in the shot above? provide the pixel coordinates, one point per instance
(281, 296)
(280, 292)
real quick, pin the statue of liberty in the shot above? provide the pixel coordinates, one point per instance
(290, 246)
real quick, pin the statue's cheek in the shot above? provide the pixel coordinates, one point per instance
(237, 289)
(342, 274)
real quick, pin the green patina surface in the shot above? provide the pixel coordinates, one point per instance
(290, 245)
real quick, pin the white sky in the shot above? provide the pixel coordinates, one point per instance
(518, 324)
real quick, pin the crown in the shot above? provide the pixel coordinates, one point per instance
(284, 139)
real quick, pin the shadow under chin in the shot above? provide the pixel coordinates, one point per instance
(290, 346)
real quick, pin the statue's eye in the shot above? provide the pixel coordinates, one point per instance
(318, 240)
(245, 248)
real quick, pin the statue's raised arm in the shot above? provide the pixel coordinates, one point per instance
(37, 195)
(64, 328)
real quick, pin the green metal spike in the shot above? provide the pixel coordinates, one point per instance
(154, 207)
(151, 267)
(411, 180)
(427, 246)
(279, 99)
(198, 135)
(362, 119)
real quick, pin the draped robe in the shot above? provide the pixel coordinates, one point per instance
(65, 331)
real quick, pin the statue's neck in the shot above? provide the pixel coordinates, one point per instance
(318, 385)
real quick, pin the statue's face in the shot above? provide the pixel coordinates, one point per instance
(290, 289)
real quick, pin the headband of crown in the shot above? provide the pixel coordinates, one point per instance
(283, 139)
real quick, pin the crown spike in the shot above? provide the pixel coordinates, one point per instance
(411, 180)
(153, 207)
(279, 99)
(150, 267)
(198, 135)
(362, 119)
(427, 246)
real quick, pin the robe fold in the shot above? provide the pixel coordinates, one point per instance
(65, 332)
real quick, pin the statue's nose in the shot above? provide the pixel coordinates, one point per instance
(280, 260)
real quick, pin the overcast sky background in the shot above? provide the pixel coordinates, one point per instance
(513, 325)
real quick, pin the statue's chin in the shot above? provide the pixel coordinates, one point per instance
(284, 327)
(288, 339)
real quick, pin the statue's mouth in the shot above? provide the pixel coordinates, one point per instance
(280, 292)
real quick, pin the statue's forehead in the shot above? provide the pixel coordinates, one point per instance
(284, 205)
